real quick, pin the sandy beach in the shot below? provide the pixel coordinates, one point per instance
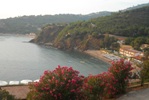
(98, 54)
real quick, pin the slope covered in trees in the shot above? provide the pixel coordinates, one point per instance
(90, 34)
(56, 35)
(136, 7)
(129, 23)
(27, 24)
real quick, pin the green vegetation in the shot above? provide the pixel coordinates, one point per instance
(4, 95)
(129, 23)
(56, 35)
(49, 33)
(27, 24)
(138, 6)
(144, 73)
(90, 34)
(137, 42)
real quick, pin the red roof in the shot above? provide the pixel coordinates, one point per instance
(19, 91)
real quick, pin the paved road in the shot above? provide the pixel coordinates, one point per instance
(136, 95)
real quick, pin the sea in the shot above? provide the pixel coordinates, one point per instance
(22, 60)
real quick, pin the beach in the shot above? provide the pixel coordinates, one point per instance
(98, 54)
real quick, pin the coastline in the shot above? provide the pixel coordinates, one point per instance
(99, 55)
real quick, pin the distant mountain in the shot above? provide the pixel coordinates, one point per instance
(99, 14)
(27, 24)
(136, 7)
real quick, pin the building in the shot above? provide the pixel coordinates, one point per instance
(143, 46)
(128, 51)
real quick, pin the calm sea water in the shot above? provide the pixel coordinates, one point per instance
(20, 60)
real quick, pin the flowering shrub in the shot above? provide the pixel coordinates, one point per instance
(93, 87)
(98, 86)
(61, 84)
(121, 71)
(65, 84)
(109, 84)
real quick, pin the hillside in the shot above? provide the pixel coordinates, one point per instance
(27, 24)
(59, 37)
(90, 34)
(136, 7)
(48, 34)
(128, 23)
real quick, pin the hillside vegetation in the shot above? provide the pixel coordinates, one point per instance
(27, 24)
(136, 7)
(48, 34)
(90, 34)
(129, 23)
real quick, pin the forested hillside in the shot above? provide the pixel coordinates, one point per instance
(136, 7)
(129, 23)
(27, 24)
(90, 34)
(48, 34)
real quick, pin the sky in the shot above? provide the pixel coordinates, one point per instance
(15, 8)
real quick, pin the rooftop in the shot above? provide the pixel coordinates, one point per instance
(19, 91)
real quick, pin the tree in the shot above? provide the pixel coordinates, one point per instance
(144, 72)
(137, 42)
(129, 40)
(115, 46)
(146, 53)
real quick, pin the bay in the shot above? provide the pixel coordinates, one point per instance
(20, 59)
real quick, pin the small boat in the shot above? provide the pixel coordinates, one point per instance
(82, 61)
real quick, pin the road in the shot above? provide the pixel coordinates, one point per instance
(136, 95)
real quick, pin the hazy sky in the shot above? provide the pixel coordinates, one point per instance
(13, 8)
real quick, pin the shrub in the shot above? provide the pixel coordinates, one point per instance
(109, 84)
(121, 70)
(66, 84)
(93, 87)
(4, 95)
(99, 86)
(61, 84)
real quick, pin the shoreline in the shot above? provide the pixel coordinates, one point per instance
(99, 55)
(94, 53)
